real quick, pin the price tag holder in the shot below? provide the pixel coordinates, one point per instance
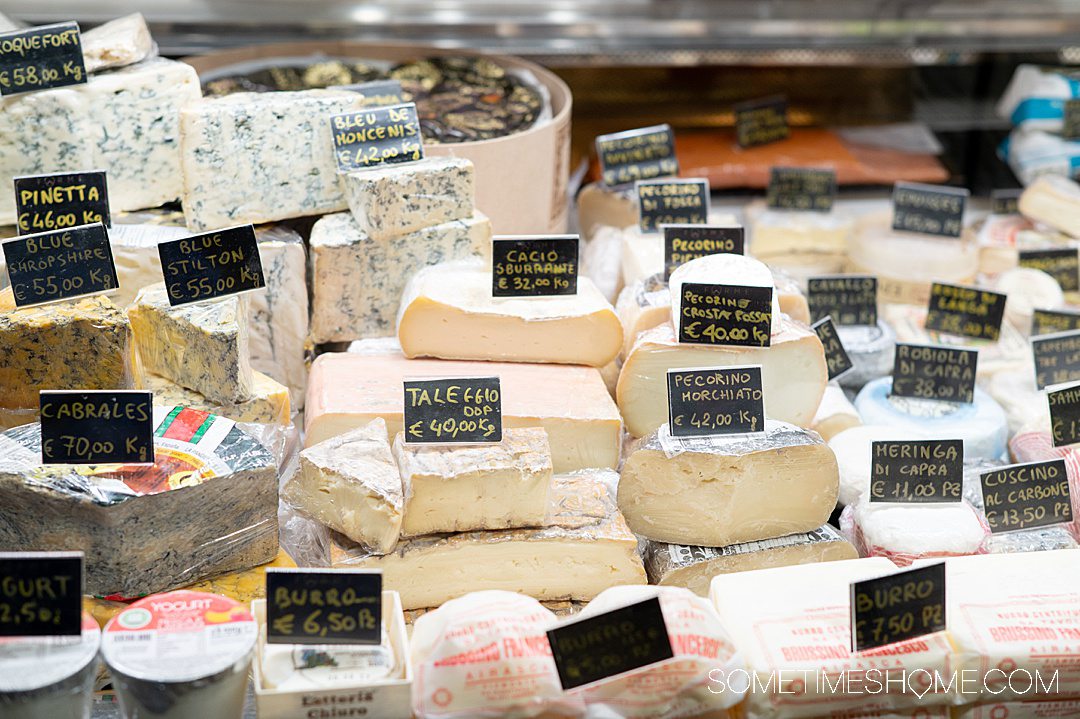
(377, 93)
(1064, 414)
(801, 188)
(1057, 358)
(929, 209)
(848, 299)
(709, 401)
(458, 410)
(61, 200)
(1005, 202)
(534, 266)
(922, 471)
(60, 265)
(642, 154)
(41, 594)
(836, 357)
(1070, 120)
(683, 243)
(41, 57)
(965, 311)
(897, 607)
(946, 374)
(376, 136)
(734, 315)
(672, 202)
(1045, 322)
(1063, 265)
(323, 606)
(621, 640)
(96, 427)
(211, 265)
(1025, 496)
(761, 122)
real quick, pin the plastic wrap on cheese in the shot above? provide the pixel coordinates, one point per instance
(905, 533)
(1035, 445)
(1033, 153)
(1035, 97)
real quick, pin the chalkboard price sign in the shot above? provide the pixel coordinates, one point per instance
(836, 357)
(848, 299)
(672, 202)
(760, 122)
(211, 265)
(1045, 322)
(376, 136)
(96, 427)
(1065, 415)
(642, 154)
(715, 400)
(917, 471)
(897, 607)
(526, 266)
(60, 265)
(683, 243)
(1063, 265)
(965, 311)
(801, 188)
(1025, 496)
(61, 200)
(460, 410)
(1057, 358)
(41, 57)
(725, 315)
(946, 374)
(929, 209)
(323, 606)
(41, 594)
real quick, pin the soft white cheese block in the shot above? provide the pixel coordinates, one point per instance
(793, 374)
(1024, 405)
(259, 157)
(852, 448)
(835, 414)
(775, 234)
(724, 269)
(1026, 290)
(388, 201)
(357, 281)
(1053, 200)
(351, 484)
(601, 261)
(915, 530)
(123, 41)
(460, 488)
(726, 489)
(643, 252)
(447, 311)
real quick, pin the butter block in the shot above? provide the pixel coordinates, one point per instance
(269, 403)
(123, 41)
(461, 488)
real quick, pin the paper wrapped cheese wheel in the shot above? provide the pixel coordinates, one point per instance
(49, 677)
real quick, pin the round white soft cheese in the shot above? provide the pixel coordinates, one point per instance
(1025, 289)
(951, 528)
(49, 677)
(724, 269)
(852, 450)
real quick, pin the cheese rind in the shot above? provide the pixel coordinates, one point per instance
(269, 402)
(905, 533)
(1052, 200)
(123, 41)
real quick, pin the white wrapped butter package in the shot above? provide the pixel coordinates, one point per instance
(49, 677)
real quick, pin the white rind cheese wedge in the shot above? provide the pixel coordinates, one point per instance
(123, 41)
(484, 486)
(269, 403)
(721, 490)
(351, 484)
(1055, 201)
(793, 374)
(447, 311)
(723, 269)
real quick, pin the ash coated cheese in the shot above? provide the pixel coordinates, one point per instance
(351, 484)
(907, 532)
(357, 281)
(485, 486)
(721, 490)
(447, 311)
(123, 41)
(259, 157)
(388, 201)
(269, 402)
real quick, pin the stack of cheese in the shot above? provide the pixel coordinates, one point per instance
(804, 243)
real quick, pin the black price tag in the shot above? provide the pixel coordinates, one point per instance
(1045, 322)
(801, 188)
(642, 154)
(965, 311)
(895, 608)
(61, 200)
(459, 410)
(683, 243)
(601, 646)
(715, 400)
(377, 93)
(760, 122)
(836, 357)
(525, 266)
(96, 427)
(934, 372)
(323, 606)
(1005, 202)
(60, 265)
(41, 594)
(377, 136)
(1070, 121)
(922, 471)
(1065, 415)
(41, 57)
(1063, 265)
(215, 264)
(725, 315)
(929, 209)
(848, 299)
(672, 202)
(1057, 358)
(1025, 496)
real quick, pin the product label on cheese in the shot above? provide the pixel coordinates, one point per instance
(934, 372)
(526, 266)
(588, 650)
(377, 93)
(1005, 202)
(60, 264)
(642, 154)
(460, 410)
(41, 594)
(1063, 265)
(760, 122)
(215, 264)
(682, 555)
(965, 311)
(377, 136)
(41, 57)
(1057, 358)
(672, 202)
(61, 200)
(683, 243)
(1070, 121)
(725, 315)
(836, 357)
(1065, 414)
(97, 427)
(1045, 322)
(929, 209)
(894, 608)
(848, 299)
(323, 606)
(917, 471)
(1024, 496)
(715, 400)
(801, 188)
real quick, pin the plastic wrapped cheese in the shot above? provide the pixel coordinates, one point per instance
(1034, 444)
(49, 677)
(1035, 156)
(1024, 406)
(1035, 97)
(908, 532)
(852, 449)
